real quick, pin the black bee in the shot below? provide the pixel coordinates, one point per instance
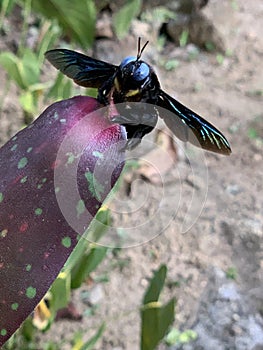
(135, 81)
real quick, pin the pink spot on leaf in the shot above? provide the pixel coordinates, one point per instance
(17, 179)
(46, 255)
(55, 164)
(40, 148)
(23, 227)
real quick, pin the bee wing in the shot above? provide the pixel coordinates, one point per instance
(84, 70)
(189, 126)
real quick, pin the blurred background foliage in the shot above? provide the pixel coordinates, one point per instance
(53, 21)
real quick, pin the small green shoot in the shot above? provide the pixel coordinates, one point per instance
(171, 64)
(158, 14)
(197, 87)
(184, 38)
(193, 54)
(220, 58)
(252, 133)
(255, 131)
(89, 345)
(229, 52)
(173, 283)
(175, 337)
(255, 93)
(234, 5)
(231, 273)
(209, 46)
(160, 43)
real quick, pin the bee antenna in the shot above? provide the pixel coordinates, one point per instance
(140, 50)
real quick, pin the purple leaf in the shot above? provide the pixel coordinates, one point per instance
(55, 175)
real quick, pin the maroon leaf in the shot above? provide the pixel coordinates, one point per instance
(54, 176)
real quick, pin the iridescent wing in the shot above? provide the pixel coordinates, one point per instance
(84, 70)
(189, 126)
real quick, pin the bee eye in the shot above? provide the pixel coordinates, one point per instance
(141, 72)
(127, 60)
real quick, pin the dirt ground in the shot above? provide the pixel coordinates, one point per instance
(206, 217)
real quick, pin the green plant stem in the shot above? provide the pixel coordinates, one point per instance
(27, 12)
(3, 12)
(5, 93)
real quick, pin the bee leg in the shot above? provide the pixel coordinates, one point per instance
(131, 144)
(135, 135)
(104, 91)
(125, 120)
(137, 123)
(131, 118)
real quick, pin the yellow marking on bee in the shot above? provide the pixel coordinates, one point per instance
(116, 84)
(131, 93)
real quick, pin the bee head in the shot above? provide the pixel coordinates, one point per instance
(133, 74)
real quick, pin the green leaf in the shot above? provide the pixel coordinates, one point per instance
(155, 323)
(92, 92)
(6, 6)
(92, 341)
(122, 19)
(28, 330)
(60, 291)
(156, 285)
(76, 255)
(99, 225)
(29, 68)
(10, 63)
(97, 228)
(86, 264)
(39, 87)
(55, 90)
(77, 18)
(61, 89)
(28, 102)
(25, 71)
(50, 33)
